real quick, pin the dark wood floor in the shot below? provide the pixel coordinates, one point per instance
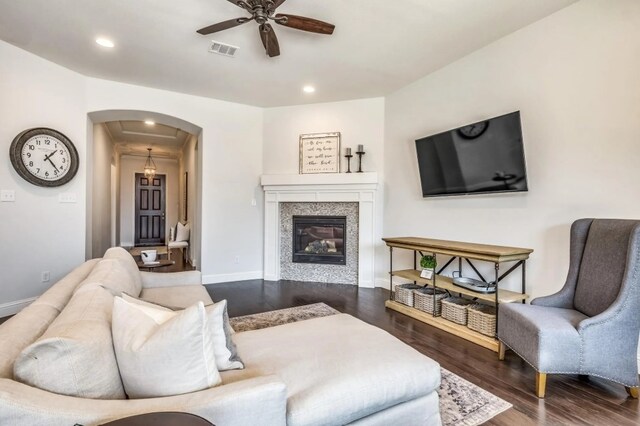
(569, 401)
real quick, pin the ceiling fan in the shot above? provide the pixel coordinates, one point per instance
(264, 10)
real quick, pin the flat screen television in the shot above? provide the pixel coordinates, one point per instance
(483, 157)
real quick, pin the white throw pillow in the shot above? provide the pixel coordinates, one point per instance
(225, 350)
(182, 232)
(163, 353)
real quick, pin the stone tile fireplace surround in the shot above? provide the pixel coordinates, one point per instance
(338, 274)
(352, 195)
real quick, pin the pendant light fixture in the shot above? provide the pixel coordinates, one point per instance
(149, 166)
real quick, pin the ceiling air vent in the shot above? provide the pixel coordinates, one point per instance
(223, 49)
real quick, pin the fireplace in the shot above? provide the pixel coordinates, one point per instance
(319, 239)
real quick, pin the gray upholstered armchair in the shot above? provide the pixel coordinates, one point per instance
(591, 326)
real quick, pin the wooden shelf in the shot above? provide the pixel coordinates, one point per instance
(443, 324)
(460, 250)
(486, 252)
(504, 296)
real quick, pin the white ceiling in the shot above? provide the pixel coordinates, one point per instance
(378, 46)
(134, 137)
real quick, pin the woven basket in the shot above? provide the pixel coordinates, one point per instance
(482, 318)
(404, 293)
(455, 309)
(423, 299)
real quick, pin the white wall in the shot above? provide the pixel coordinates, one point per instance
(38, 233)
(101, 221)
(129, 166)
(359, 122)
(188, 163)
(230, 149)
(574, 76)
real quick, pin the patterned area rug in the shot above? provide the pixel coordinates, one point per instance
(461, 402)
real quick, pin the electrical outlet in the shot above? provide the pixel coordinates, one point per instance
(254, 202)
(237, 260)
(7, 195)
(46, 277)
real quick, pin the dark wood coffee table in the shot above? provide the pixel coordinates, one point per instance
(151, 266)
(161, 419)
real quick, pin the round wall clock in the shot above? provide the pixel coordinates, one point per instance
(473, 131)
(44, 157)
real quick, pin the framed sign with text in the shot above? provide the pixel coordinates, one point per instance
(320, 153)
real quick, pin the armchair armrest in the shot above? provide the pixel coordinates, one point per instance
(561, 299)
(615, 329)
(564, 297)
(256, 401)
(170, 279)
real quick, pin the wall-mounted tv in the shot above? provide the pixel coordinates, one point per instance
(483, 157)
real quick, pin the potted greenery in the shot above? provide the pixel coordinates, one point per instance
(428, 264)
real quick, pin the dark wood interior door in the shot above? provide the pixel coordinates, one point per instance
(150, 210)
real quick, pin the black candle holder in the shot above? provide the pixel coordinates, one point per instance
(360, 154)
(348, 157)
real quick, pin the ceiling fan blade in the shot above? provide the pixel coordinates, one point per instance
(304, 24)
(269, 40)
(220, 26)
(278, 3)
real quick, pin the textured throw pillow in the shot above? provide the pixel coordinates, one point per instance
(182, 232)
(75, 355)
(163, 353)
(225, 350)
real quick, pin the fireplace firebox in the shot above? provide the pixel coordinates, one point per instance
(319, 239)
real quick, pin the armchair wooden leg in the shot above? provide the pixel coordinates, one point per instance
(633, 392)
(501, 350)
(541, 384)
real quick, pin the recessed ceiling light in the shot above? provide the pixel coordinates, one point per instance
(149, 122)
(308, 89)
(104, 42)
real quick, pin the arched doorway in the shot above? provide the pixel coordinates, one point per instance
(104, 221)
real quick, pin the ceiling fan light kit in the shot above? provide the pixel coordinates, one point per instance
(262, 11)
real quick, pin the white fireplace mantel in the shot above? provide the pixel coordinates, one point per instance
(340, 187)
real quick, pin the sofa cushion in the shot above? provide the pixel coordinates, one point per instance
(75, 355)
(59, 294)
(112, 275)
(337, 368)
(161, 352)
(130, 266)
(180, 297)
(527, 329)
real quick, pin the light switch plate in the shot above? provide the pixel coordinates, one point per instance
(7, 195)
(68, 197)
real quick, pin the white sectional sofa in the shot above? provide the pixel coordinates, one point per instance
(332, 370)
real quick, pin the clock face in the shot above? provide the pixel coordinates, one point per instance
(472, 131)
(44, 157)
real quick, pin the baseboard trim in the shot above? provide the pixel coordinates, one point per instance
(13, 308)
(237, 276)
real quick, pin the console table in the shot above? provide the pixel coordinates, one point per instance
(459, 251)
